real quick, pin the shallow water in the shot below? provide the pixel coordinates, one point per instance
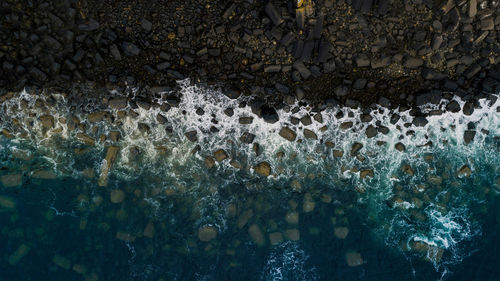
(429, 212)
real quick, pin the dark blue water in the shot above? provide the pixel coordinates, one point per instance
(430, 212)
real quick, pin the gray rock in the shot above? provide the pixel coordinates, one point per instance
(432, 74)
(146, 25)
(359, 83)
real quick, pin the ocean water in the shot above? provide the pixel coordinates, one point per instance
(411, 203)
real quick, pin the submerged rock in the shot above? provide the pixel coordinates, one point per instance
(117, 196)
(366, 173)
(464, 171)
(341, 232)
(263, 169)
(353, 258)
(256, 235)
(400, 147)
(18, 254)
(292, 234)
(11, 180)
(207, 233)
(111, 155)
(275, 238)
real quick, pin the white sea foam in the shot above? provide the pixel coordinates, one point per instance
(164, 158)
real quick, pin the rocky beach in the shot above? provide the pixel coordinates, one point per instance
(249, 140)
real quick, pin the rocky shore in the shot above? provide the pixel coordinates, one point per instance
(325, 52)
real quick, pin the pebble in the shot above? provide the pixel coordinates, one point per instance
(263, 169)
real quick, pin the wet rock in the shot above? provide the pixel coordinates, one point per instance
(207, 233)
(43, 174)
(111, 155)
(209, 162)
(47, 121)
(95, 117)
(371, 131)
(353, 258)
(453, 106)
(273, 14)
(346, 125)
(469, 136)
(432, 74)
(269, 114)
(220, 155)
(338, 153)
(232, 93)
(88, 140)
(366, 173)
(420, 121)
(256, 235)
(247, 137)
(114, 136)
(118, 103)
(355, 148)
(117, 196)
(341, 232)
(263, 169)
(245, 120)
(400, 147)
(192, 136)
(308, 134)
(302, 69)
(11, 180)
(464, 171)
(468, 108)
(288, 134)
(306, 120)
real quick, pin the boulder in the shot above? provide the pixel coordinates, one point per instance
(263, 169)
(288, 134)
(355, 148)
(220, 155)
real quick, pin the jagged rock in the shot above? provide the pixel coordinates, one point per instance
(464, 171)
(247, 137)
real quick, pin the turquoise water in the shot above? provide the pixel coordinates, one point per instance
(162, 210)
